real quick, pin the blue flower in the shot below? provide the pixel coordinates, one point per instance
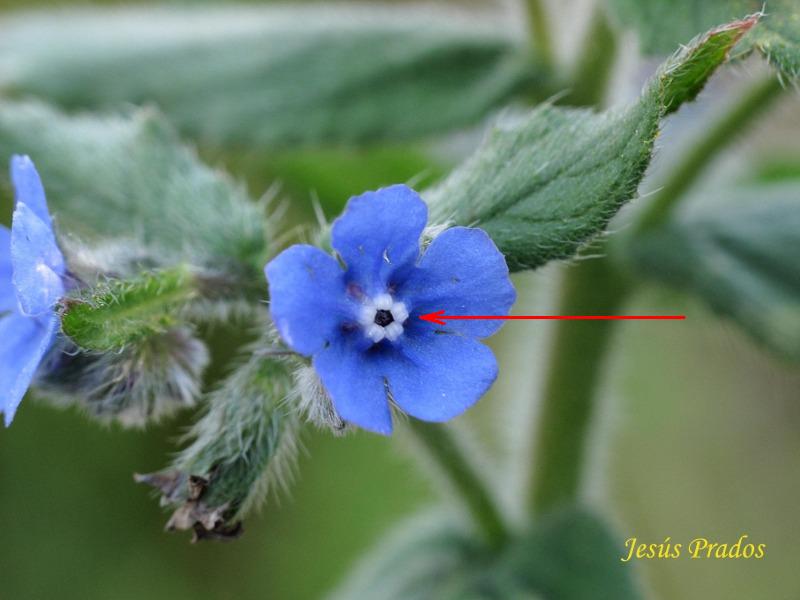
(31, 283)
(361, 323)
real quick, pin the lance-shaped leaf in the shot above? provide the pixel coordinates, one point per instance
(741, 257)
(116, 312)
(270, 76)
(434, 557)
(664, 23)
(241, 448)
(128, 176)
(544, 186)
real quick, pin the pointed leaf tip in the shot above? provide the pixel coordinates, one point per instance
(684, 76)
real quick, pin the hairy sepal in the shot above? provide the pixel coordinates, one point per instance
(145, 381)
(241, 448)
(117, 312)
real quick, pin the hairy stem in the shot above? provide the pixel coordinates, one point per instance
(540, 32)
(576, 360)
(443, 449)
(743, 112)
(595, 286)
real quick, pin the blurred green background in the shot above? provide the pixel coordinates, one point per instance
(699, 437)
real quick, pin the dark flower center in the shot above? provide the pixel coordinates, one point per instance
(383, 317)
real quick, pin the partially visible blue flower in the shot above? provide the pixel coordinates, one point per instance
(361, 324)
(31, 283)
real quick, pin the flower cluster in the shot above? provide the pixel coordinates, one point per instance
(358, 317)
(361, 326)
(31, 283)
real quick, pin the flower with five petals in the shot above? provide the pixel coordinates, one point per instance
(360, 322)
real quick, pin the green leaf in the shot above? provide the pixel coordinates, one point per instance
(433, 557)
(563, 545)
(663, 23)
(128, 177)
(741, 257)
(680, 80)
(333, 175)
(421, 559)
(266, 76)
(117, 312)
(545, 185)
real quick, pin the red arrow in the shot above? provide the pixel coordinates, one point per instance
(439, 317)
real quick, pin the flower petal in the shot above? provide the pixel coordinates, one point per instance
(28, 187)
(37, 262)
(308, 301)
(463, 273)
(355, 382)
(8, 295)
(23, 344)
(438, 377)
(378, 235)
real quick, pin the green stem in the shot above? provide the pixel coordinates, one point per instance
(596, 287)
(440, 446)
(595, 64)
(592, 286)
(540, 33)
(743, 112)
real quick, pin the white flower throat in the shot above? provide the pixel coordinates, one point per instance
(382, 317)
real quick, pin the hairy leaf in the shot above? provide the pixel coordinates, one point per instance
(116, 312)
(740, 256)
(566, 543)
(240, 449)
(269, 76)
(544, 186)
(434, 557)
(128, 176)
(663, 23)
(421, 559)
